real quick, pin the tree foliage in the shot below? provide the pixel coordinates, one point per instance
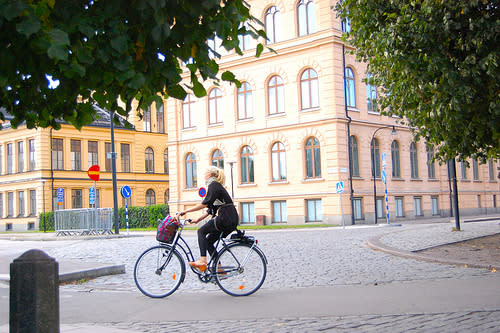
(106, 51)
(437, 64)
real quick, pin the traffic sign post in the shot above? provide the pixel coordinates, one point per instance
(125, 191)
(60, 196)
(339, 188)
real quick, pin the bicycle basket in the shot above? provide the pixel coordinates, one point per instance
(166, 229)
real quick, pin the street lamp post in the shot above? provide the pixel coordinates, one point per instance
(43, 203)
(232, 181)
(373, 167)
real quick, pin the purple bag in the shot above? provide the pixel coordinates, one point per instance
(167, 229)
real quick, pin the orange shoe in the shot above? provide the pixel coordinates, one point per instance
(199, 265)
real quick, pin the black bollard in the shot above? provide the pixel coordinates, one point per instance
(34, 293)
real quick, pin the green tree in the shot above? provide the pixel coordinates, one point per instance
(437, 64)
(110, 52)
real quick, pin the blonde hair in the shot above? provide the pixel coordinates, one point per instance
(217, 173)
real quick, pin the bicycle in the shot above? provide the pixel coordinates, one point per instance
(239, 268)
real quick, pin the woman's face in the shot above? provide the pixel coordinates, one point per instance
(207, 175)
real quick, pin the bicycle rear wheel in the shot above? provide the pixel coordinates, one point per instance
(158, 271)
(240, 270)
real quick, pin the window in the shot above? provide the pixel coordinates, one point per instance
(160, 117)
(309, 90)
(166, 196)
(396, 169)
(346, 25)
(434, 205)
(314, 213)
(93, 153)
(431, 169)
(218, 159)
(1, 159)
(478, 201)
(20, 203)
(494, 203)
(375, 154)
(279, 211)
(475, 169)
(414, 160)
(187, 111)
(31, 225)
(306, 17)
(32, 154)
(10, 204)
(20, 156)
(380, 207)
(417, 206)
(491, 169)
(32, 202)
(275, 95)
(273, 25)
(246, 42)
(57, 154)
(107, 151)
(191, 179)
(215, 106)
(398, 201)
(371, 95)
(313, 158)
(76, 198)
(10, 158)
(146, 120)
(149, 160)
(247, 167)
(247, 212)
(125, 156)
(1, 205)
(165, 161)
(97, 200)
(150, 197)
(278, 162)
(214, 45)
(354, 156)
(76, 155)
(463, 170)
(350, 88)
(245, 108)
(8, 227)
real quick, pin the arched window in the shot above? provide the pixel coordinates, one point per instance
(146, 120)
(246, 42)
(245, 108)
(247, 167)
(187, 111)
(431, 169)
(278, 162)
(375, 154)
(306, 17)
(218, 159)
(273, 25)
(191, 177)
(309, 95)
(149, 160)
(313, 158)
(276, 95)
(214, 45)
(350, 87)
(414, 160)
(354, 156)
(215, 106)
(396, 168)
(150, 197)
(165, 161)
(371, 96)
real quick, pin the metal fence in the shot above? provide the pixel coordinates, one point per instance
(86, 221)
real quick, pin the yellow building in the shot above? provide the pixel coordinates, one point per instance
(36, 163)
(282, 138)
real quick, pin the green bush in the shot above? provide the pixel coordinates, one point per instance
(49, 221)
(142, 217)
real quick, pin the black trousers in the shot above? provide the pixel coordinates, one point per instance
(207, 236)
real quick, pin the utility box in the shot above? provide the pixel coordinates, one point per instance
(261, 219)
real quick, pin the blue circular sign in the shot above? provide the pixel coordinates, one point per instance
(202, 192)
(126, 191)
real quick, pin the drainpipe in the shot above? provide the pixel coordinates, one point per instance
(349, 120)
(51, 173)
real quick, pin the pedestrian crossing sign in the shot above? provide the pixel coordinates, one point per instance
(340, 187)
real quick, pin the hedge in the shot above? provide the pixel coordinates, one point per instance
(138, 217)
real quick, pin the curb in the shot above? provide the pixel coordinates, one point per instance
(79, 275)
(375, 244)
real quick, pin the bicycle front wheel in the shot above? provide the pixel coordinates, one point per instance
(240, 270)
(159, 271)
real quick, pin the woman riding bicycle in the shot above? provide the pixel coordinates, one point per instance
(224, 215)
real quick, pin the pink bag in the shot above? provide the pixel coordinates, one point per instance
(167, 229)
